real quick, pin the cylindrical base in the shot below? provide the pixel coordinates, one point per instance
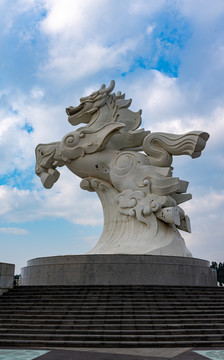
(118, 269)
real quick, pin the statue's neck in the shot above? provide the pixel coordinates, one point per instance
(102, 116)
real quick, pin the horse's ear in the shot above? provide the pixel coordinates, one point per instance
(108, 90)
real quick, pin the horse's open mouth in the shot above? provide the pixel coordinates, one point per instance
(74, 110)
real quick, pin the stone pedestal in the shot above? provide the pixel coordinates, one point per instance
(118, 269)
(6, 276)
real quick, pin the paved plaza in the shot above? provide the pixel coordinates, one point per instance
(112, 354)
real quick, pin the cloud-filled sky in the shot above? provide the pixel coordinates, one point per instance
(167, 55)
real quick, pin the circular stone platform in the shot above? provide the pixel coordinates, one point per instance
(118, 269)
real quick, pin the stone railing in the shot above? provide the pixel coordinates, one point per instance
(6, 276)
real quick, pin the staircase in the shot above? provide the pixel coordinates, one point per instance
(112, 316)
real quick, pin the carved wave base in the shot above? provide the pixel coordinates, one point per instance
(118, 270)
(125, 234)
(132, 237)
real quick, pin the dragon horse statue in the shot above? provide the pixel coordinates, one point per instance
(130, 170)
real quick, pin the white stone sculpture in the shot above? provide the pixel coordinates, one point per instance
(130, 170)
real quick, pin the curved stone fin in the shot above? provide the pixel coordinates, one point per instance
(170, 215)
(185, 224)
(125, 141)
(183, 186)
(161, 146)
(93, 141)
(180, 198)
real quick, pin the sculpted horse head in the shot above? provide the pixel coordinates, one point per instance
(102, 107)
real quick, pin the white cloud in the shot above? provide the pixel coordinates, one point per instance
(83, 39)
(47, 123)
(150, 29)
(207, 217)
(92, 239)
(12, 10)
(163, 100)
(63, 18)
(168, 106)
(64, 200)
(15, 144)
(36, 93)
(201, 11)
(13, 230)
(211, 202)
(143, 7)
(74, 63)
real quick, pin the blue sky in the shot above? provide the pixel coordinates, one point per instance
(168, 56)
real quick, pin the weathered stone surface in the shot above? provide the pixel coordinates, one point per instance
(6, 276)
(118, 270)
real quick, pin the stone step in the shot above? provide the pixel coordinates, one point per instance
(99, 321)
(102, 321)
(113, 337)
(110, 344)
(107, 326)
(139, 294)
(110, 307)
(111, 292)
(113, 318)
(117, 299)
(114, 314)
(140, 299)
(123, 332)
(95, 289)
(90, 299)
(110, 304)
(129, 299)
(114, 288)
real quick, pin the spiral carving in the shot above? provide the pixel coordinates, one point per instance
(155, 205)
(71, 140)
(124, 164)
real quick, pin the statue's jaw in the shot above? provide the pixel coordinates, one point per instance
(80, 114)
(72, 110)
